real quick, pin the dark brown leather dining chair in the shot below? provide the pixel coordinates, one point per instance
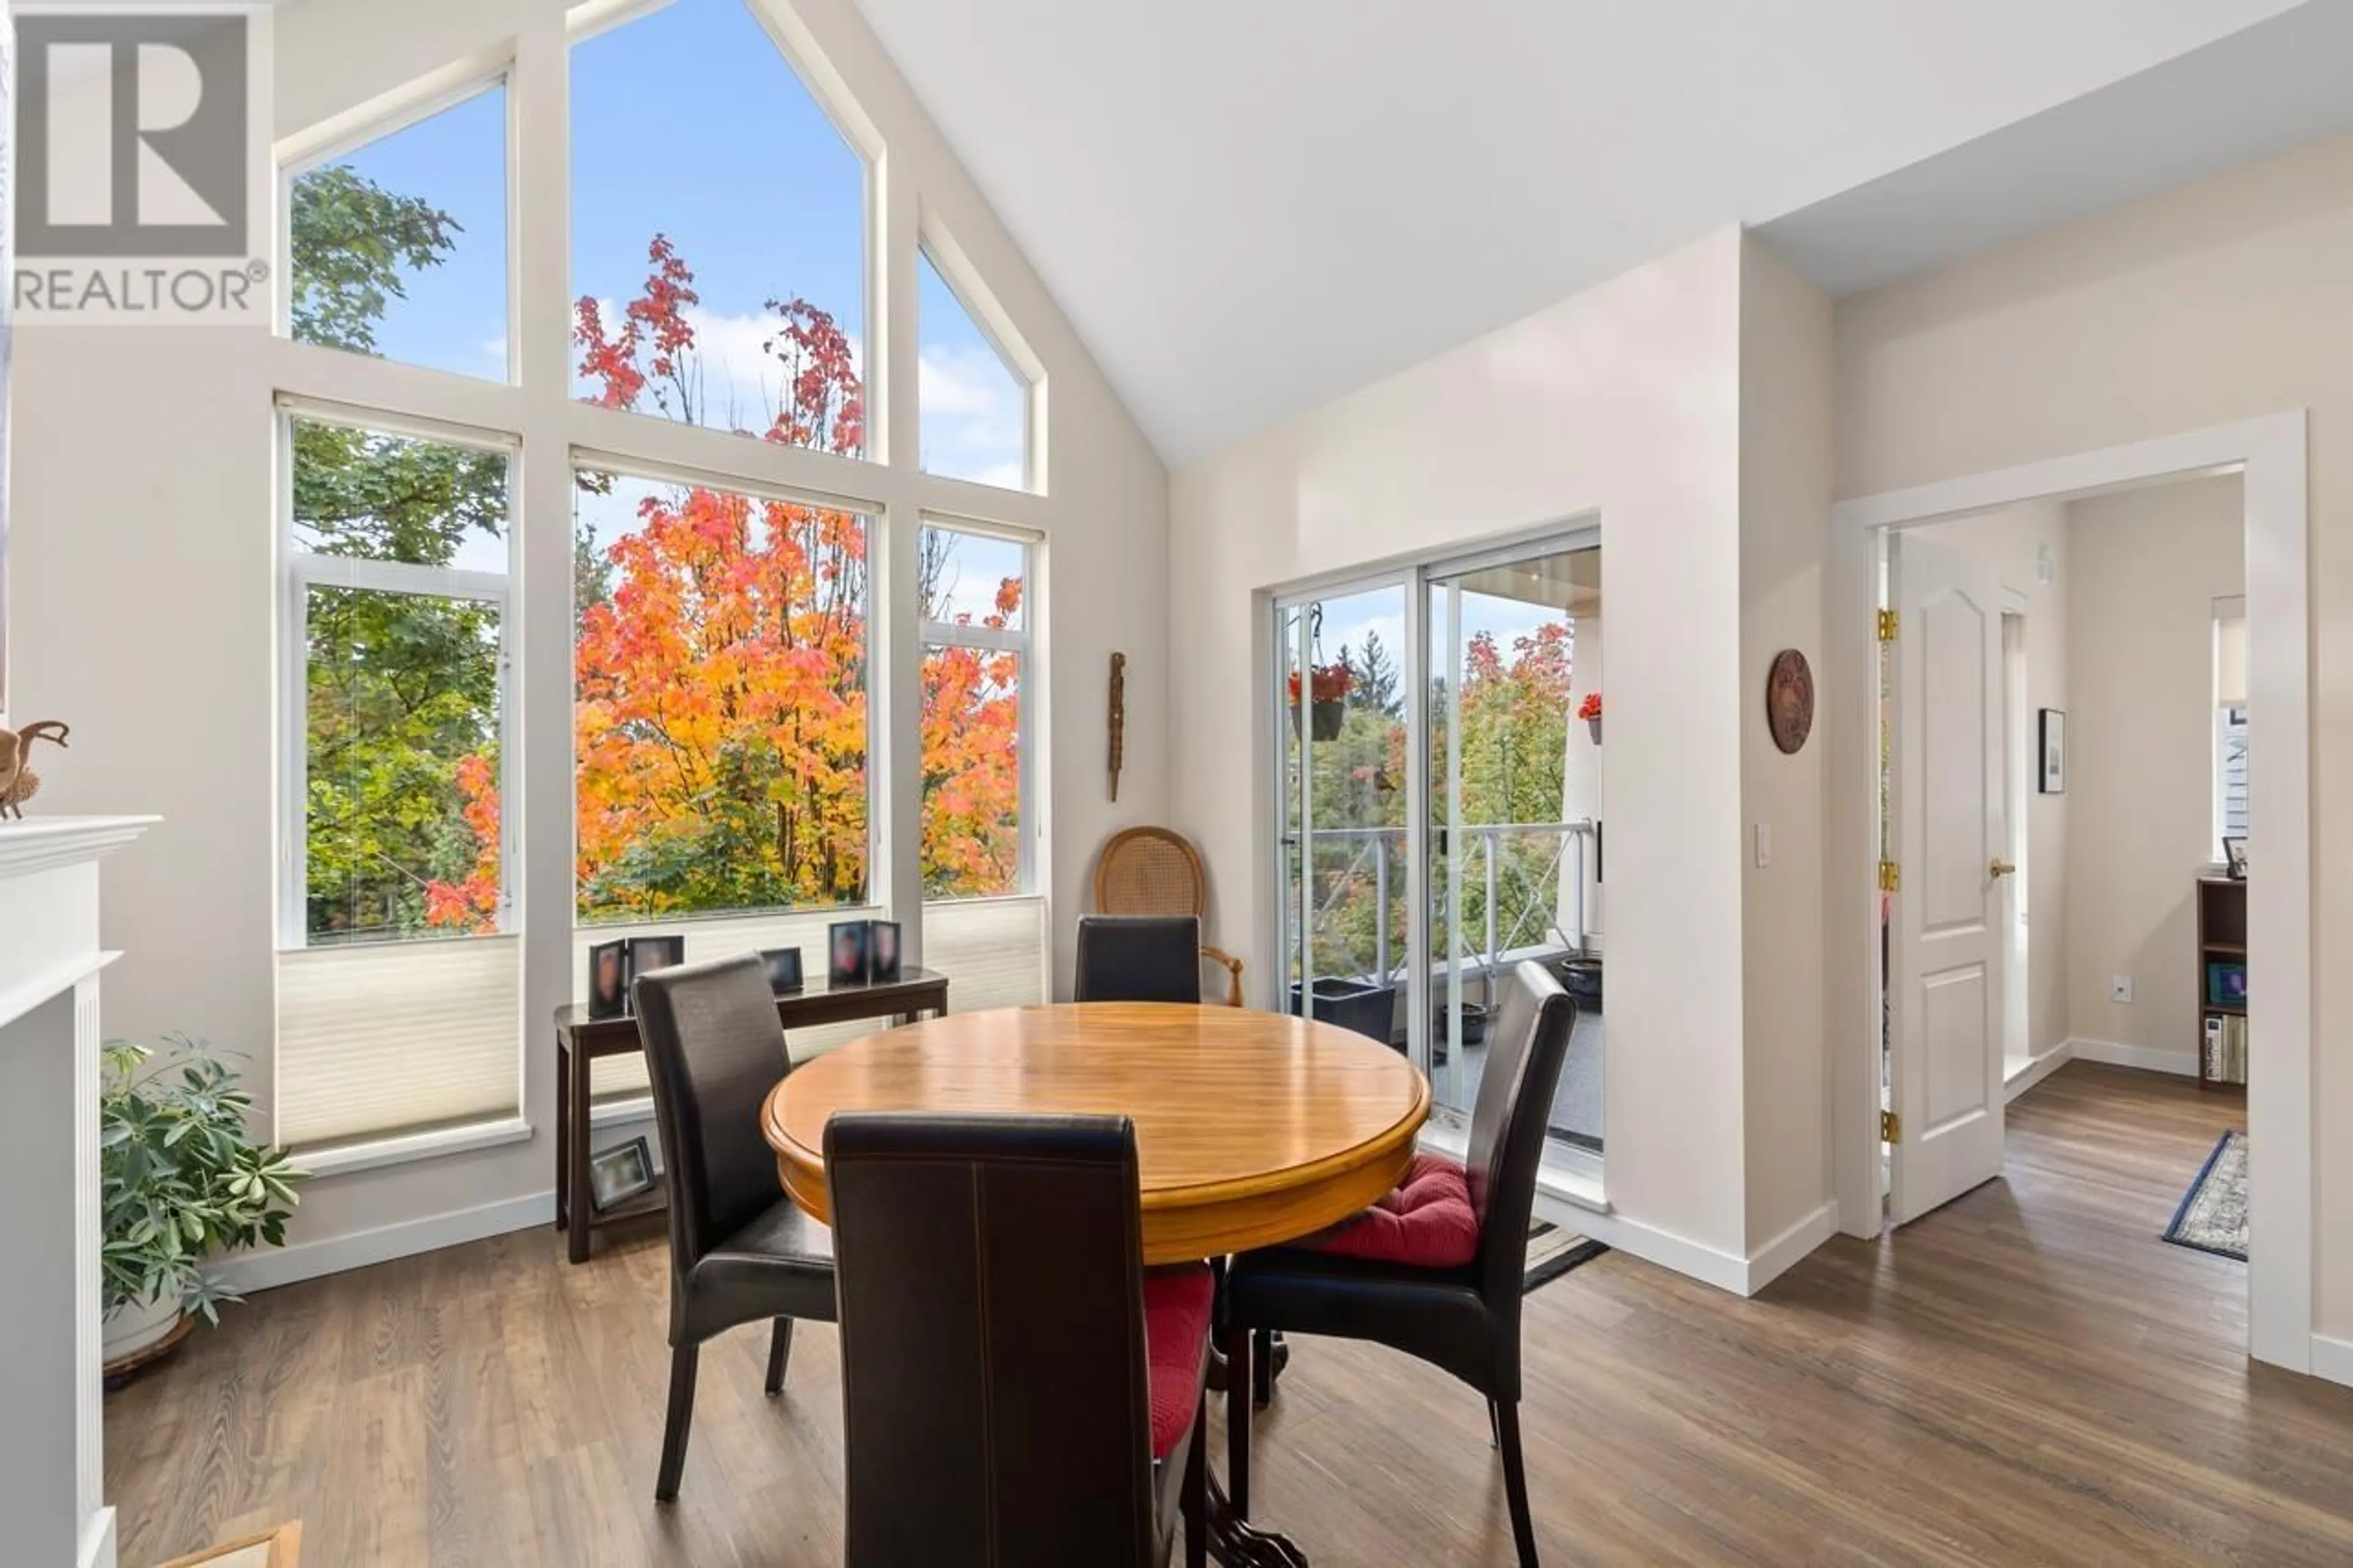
(1015, 1387)
(739, 1249)
(1139, 958)
(1466, 1320)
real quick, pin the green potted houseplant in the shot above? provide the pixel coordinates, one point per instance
(181, 1182)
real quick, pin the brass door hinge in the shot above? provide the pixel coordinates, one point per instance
(1891, 877)
(1887, 621)
(1891, 1127)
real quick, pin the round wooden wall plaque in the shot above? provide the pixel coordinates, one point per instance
(1789, 699)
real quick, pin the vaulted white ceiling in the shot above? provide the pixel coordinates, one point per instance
(1247, 207)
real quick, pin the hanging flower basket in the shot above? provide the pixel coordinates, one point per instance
(1590, 712)
(1327, 693)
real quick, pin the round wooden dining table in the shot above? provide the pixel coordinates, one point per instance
(1251, 1128)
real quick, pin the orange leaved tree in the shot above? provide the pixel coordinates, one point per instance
(721, 664)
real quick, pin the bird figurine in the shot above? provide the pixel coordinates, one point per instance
(18, 782)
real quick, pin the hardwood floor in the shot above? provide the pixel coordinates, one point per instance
(2029, 1375)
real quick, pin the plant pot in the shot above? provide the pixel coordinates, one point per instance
(134, 1327)
(1474, 1028)
(1369, 1010)
(1593, 728)
(1325, 719)
(1581, 978)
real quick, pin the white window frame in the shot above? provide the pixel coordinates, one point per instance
(307, 569)
(372, 123)
(1017, 641)
(534, 414)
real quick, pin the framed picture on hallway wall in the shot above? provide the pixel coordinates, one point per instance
(2052, 780)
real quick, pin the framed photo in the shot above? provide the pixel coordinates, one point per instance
(2052, 779)
(845, 950)
(2235, 857)
(882, 950)
(784, 967)
(647, 953)
(2226, 984)
(609, 979)
(620, 1173)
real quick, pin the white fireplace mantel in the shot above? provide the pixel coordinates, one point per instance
(50, 1471)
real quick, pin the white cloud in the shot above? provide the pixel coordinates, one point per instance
(974, 415)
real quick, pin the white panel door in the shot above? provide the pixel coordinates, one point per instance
(1950, 940)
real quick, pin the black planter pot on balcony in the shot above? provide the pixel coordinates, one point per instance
(1370, 1010)
(1581, 978)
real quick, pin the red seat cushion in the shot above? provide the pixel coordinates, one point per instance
(1175, 1331)
(1426, 1220)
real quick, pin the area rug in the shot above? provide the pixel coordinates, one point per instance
(2213, 1214)
(1553, 1252)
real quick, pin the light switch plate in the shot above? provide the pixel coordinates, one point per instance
(1764, 845)
(2120, 987)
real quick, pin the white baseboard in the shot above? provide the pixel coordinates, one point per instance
(1708, 1265)
(2018, 1077)
(1773, 1259)
(2149, 1059)
(98, 1545)
(267, 1269)
(2332, 1359)
(1724, 1271)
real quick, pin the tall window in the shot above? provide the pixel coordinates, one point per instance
(975, 644)
(2230, 720)
(719, 711)
(718, 232)
(399, 247)
(974, 407)
(397, 596)
(721, 606)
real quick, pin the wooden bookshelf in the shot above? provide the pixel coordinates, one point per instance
(2221, 1008)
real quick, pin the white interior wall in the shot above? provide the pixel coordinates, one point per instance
(2146, 567)
(2013, 541)
(1785, 496)
(143, 600)
(1621, 404)
(2204, 305)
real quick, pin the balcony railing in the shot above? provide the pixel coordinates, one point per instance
(1511, 896)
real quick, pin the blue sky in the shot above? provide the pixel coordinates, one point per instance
(689, 122)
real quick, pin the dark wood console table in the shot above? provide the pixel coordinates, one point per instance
(580, 1041)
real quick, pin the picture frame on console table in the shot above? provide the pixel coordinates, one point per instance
(846, 953)
(784, 967)
(881, 952)
(647, 953)
(609, 979)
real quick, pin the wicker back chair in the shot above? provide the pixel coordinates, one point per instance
(1153, 872)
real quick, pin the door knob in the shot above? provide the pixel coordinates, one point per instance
(1998, 869)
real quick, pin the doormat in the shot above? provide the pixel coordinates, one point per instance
(2213, 1213)
(1553, 1252)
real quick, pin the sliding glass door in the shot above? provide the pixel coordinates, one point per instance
(1440, 813)
(1342, 703)
(1512, 846)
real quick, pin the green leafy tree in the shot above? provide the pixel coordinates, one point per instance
(402, 688)
(1377, 685)
(352, 240)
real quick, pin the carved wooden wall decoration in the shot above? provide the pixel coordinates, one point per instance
(1118, 718)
